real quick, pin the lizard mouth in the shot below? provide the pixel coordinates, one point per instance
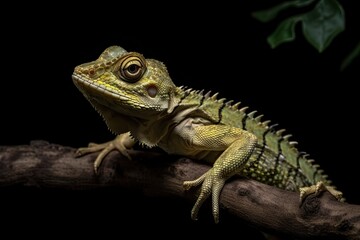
(105, 98)
(102, 95)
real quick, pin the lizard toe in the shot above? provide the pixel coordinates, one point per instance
(318, 188)
(211, 185)
(121, 143)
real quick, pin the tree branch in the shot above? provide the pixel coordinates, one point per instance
(269, 208)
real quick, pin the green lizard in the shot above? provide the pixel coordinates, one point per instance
(139, 102)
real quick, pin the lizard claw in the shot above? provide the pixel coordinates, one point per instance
(121, 143)
(211, 185)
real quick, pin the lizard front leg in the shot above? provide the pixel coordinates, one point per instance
(122, 143)
(238, 144)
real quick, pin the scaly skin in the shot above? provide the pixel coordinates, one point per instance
(139, 102)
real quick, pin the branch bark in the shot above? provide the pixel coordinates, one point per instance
(268, 208)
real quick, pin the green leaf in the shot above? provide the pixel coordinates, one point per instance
(269, 14)
(285, 32)
(355, 53)
(323, 23)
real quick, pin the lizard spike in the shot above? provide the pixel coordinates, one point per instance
(252, 114)
(293, 143)
(243, 109)
(194, 91)
(266, 123)
(207, 95)
(311, 161)
(306, 155)
(213, 97)
(111, 131)
(273, 126)
(316, 166)
(320, 171)
(228, 103)
(189, 90)
(286, 137)
(280, 132)
(258, 118)
(236, 105)
(201, 93)
(221, 100)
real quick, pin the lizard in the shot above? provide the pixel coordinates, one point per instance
(140, 103)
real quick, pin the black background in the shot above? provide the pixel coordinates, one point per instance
(213, 46)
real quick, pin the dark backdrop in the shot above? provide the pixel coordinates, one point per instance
(212, 46)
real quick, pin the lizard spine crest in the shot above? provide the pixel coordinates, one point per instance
(269, 136)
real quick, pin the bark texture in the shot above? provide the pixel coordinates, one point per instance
(268, 208)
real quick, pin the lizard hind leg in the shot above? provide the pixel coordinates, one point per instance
(317, 189)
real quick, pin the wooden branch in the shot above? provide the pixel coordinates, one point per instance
(268, 208)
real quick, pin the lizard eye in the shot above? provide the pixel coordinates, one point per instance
(132, 68)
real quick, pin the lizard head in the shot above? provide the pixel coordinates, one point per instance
(126, 82)
(121, 84)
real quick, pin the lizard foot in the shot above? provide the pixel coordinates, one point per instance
(317, 189)
(121, 143)
(212, 184)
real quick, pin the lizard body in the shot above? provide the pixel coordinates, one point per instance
(139, 102)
